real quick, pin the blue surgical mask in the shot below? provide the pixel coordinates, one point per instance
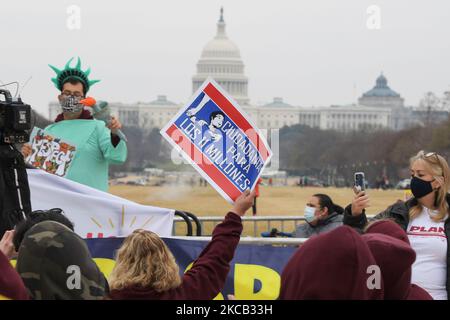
(309, 213)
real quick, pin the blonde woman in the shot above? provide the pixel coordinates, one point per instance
(425, 218)
(146, 269)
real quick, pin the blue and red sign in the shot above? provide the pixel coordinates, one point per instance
(218, 138)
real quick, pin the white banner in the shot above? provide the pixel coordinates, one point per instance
(96, 214)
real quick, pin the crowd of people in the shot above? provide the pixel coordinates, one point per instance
(47, 248)
(399, 254)
(402, 253)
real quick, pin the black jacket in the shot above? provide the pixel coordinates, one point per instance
(12, 198)
(399, 211)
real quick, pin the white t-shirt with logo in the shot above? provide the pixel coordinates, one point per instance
(429, 241)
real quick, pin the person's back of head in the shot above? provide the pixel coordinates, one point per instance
(55, 264)
(36, 217)
(144, 261)
(394, 257)
(387, 227)
(330, 266)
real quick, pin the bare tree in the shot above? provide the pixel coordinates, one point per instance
(430, 102)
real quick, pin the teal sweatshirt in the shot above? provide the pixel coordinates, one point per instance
(94, 150)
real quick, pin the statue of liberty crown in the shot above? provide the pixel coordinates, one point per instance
(75, 73)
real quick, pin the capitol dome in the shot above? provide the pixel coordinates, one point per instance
(381, 89)
(381, 95)
(278, 103)
(221, 60)
(221, 46)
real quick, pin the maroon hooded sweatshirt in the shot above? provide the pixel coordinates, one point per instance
(330, 266)
(389, 228)
(11, 284)
(390, 246)
(209, 271)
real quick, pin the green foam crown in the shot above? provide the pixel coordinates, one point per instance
(76, 73)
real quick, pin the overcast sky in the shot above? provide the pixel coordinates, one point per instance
(316, 52)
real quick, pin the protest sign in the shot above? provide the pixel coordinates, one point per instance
(50, 153)
(216, 136)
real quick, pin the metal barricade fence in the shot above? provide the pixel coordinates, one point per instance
(254, 240)
(269, 220)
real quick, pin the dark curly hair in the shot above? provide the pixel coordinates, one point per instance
(35, 217)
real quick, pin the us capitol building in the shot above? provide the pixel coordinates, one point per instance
(378, 108)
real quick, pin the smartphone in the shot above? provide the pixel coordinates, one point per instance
(360, 181)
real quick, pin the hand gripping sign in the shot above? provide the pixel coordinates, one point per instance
(219, 139)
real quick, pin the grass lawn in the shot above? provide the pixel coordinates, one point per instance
(205, 201)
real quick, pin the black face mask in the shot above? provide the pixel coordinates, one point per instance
(420, 188)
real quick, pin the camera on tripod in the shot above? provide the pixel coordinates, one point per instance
(15, 119)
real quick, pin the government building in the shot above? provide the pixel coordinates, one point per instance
(378, 108)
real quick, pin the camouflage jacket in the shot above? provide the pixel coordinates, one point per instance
(55, 263)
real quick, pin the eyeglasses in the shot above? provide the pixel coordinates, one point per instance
(430, 154)
(70, 93)
(434, 155)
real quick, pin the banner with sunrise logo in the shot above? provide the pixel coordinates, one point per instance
(96, 214)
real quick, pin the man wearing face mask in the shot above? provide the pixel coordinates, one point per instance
(96, 145)
(321, 215)
(425, 218)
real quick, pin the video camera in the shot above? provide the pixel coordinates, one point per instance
(15, 203)
(15, 119)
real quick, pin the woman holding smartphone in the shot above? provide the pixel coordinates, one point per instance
(425, 218)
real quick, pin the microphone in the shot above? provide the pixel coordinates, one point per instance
(101, 111)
